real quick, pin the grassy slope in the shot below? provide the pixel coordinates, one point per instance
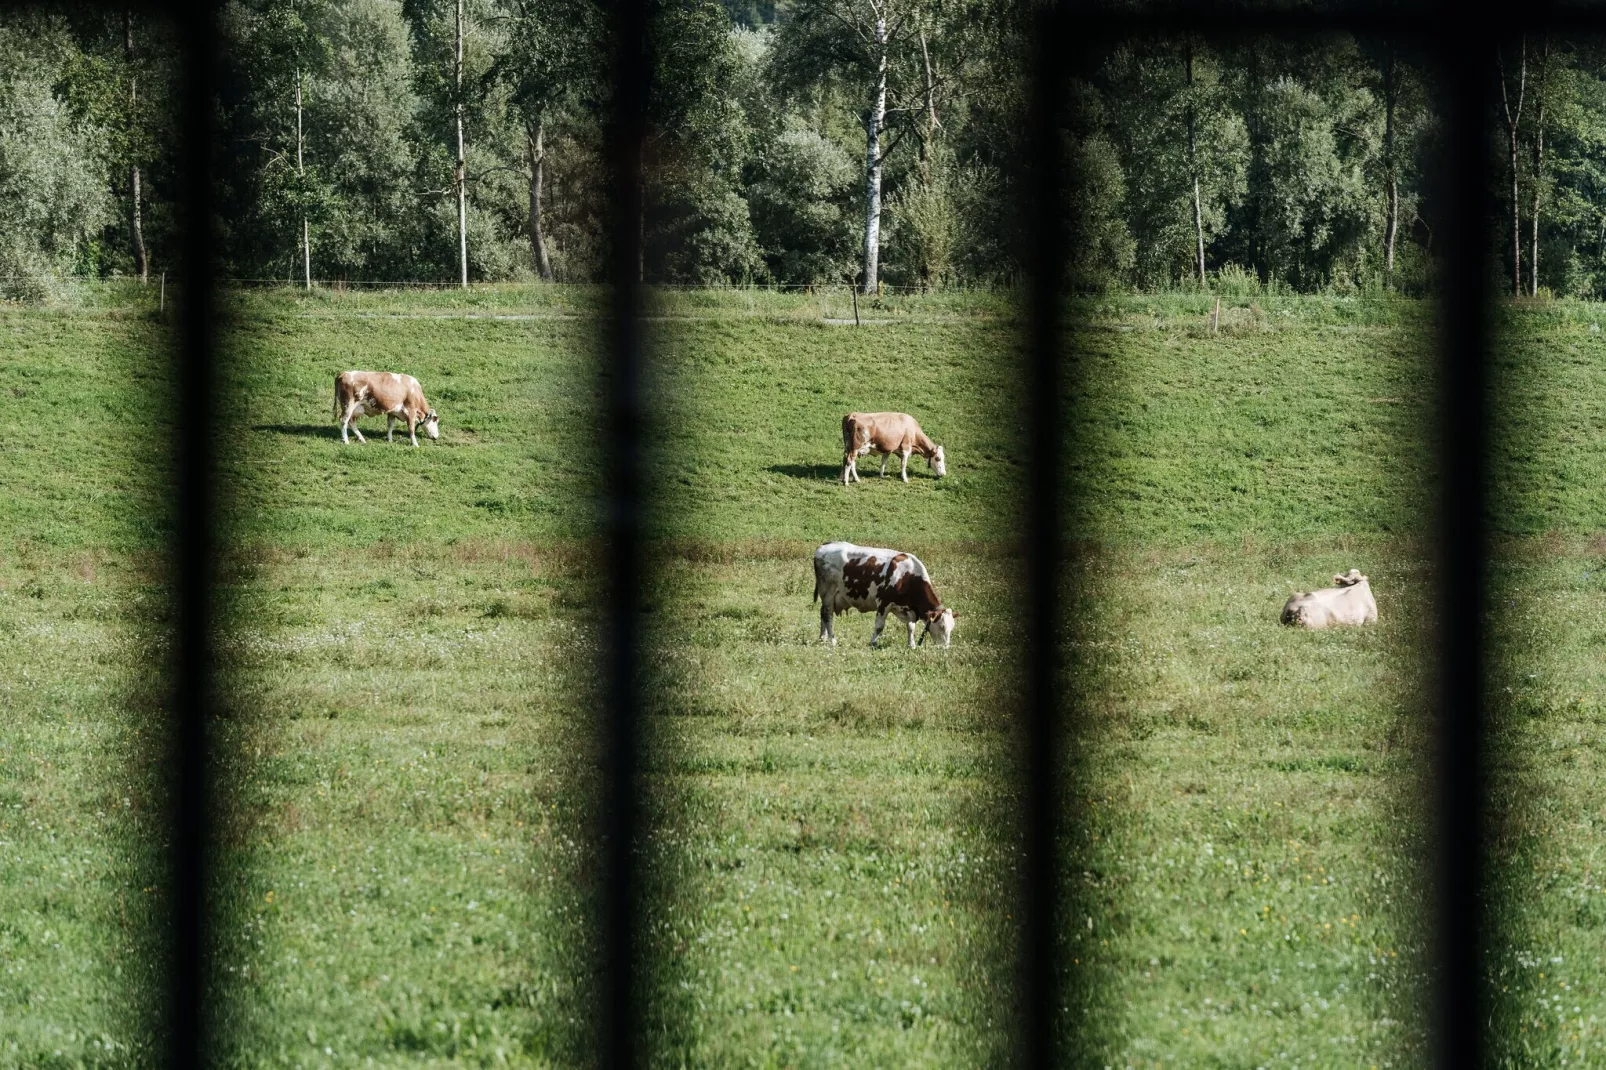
(1244, 893)
(409, 751)
(827, 844)
(1549, 685)
(411, 651)
(79, 619)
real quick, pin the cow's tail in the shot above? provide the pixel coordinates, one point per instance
(819, 581)
(337, 397)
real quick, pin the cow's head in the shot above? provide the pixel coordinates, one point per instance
(432, 424)
(1349, 579)
(939, 464)
(940, 624)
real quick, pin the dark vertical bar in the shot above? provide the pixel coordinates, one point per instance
(193, 548)
(1461, 1011)
(1046, 264)
(630, 80)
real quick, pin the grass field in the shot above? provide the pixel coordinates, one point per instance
(1244, 890)
(80, 629)
(1549, 686)
(409, 647)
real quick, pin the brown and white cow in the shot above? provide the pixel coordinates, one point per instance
(866, 578)
(1349, 601)
(886, 433)
(398, 396)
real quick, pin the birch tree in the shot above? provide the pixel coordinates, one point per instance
(1391, 96)
(1541, 88)
(885, 47)
(1511, 101)
(136, 229)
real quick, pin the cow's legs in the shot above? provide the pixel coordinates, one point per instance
(412, 431)
(904, 457)
(847, 468)
(352, 412)
(911, 626)
(390, 428)
(827, 631)
(880, 622)
(885, 457)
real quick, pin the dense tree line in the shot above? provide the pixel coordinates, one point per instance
(1301, 162)
(790, 141)
(428, 139)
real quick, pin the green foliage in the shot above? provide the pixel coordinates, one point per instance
(800, 202)
(51, 194)
(1288, 152)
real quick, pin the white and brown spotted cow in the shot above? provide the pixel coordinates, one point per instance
(398, 396)
(886, 433)
(886, 581)
(1349, 601)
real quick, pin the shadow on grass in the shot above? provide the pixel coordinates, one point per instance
(299, 430)
(807, 471)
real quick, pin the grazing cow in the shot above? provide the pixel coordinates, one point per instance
(399, 397)
(1349, 602)
(886, 433)
(864, 578)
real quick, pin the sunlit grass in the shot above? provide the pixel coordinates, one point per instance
(1548, 688)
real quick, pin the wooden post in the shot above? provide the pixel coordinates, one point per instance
(1215, 316)
(855, 290)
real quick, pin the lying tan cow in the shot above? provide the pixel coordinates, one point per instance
(399, 397)
(886, 433)
(1348, 602)
(885, 581)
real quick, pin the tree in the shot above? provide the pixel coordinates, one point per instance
(1182, 153)
(1540, 92)
(551, 59)
(136, 230)
(52, 195)
(885, 47)
(1513, 121)
(696, 226)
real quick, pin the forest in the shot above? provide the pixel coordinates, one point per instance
(793, 143)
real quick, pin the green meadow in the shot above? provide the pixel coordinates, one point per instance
(409, 645)
(1548, 687)
(1243, 882)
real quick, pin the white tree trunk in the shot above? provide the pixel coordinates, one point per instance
(872, 161)
(301, 170)
(136, 229)
(536, 139)
(1390, 92)
(461, 173)
(1193, 165)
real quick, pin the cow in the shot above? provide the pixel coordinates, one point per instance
(886, 581)
(1349, 601)
(886, 433)
(399, 397)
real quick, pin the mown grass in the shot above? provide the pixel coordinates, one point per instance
(830, 844)
(1245, 873)
(408, 655)
(81, 636)
(1546, 974)
(409, 757)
